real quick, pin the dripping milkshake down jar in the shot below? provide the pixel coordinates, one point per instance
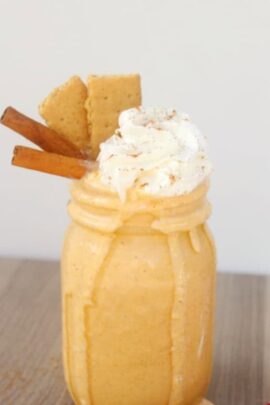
(138, 268)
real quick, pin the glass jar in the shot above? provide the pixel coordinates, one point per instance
(138, 282)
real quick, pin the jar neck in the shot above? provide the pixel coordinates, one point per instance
(95, 206)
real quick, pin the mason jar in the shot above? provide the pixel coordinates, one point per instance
(138, 286)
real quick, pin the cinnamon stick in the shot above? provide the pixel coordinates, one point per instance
(51, 163)
(46, 138)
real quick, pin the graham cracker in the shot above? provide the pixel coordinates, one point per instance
(108, 96)
(64, 111)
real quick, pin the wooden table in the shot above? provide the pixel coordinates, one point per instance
(30, 337)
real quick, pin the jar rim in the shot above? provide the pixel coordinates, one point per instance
(95, 206)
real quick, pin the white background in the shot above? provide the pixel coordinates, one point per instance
(209, 58)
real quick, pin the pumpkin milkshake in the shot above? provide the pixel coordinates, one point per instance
(138, 264)
(138, 267)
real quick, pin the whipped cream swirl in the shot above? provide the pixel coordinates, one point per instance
(155, 150)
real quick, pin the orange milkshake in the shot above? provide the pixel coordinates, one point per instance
(138, 268)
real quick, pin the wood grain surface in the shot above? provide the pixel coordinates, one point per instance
(30, 337)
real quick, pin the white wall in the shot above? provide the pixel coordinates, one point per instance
(209, 58)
